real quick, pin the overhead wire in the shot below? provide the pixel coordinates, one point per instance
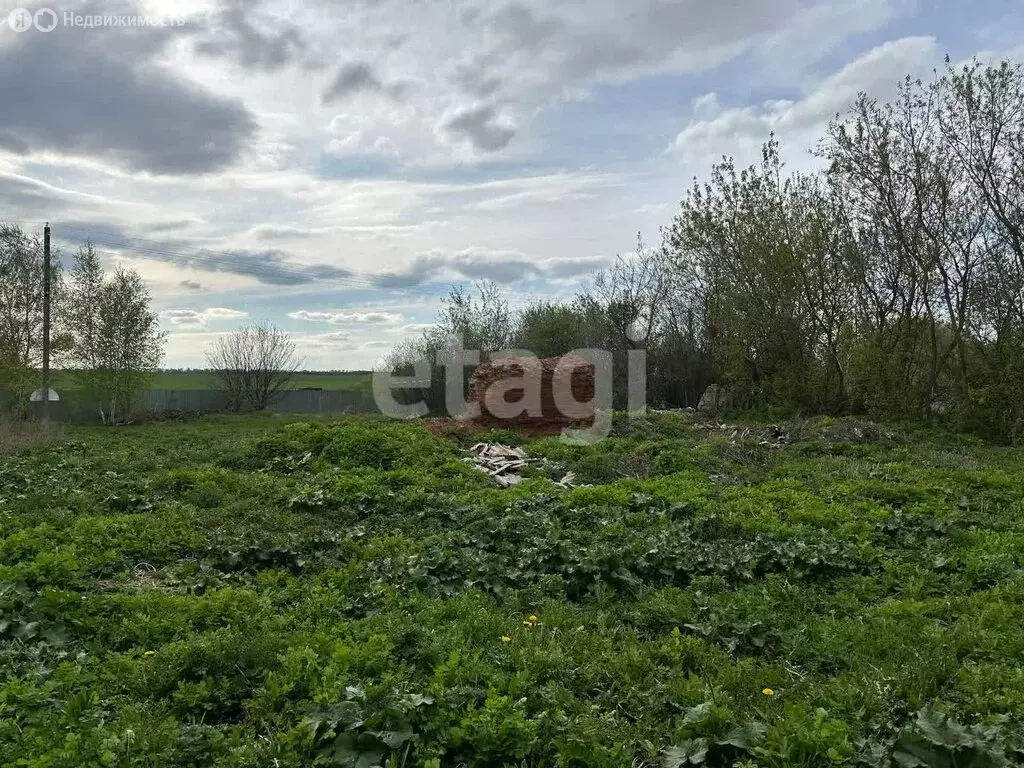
(241, 263)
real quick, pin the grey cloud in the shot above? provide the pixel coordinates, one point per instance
(424, 267)
(100, 94)
(565, 268)
(352, 78)
(235, 35)
(274, 232)
(500, 270)
(479, 126)
(469, 14)
(14, 142)
(479, 264)
(78, 232)
(399, 89)
(25, 197)
(191, 285)
(476, 81)
(22, 194)
(532, 51)
(518, 23)
(400, 280)
(272, 267)
(271, 232)
(170, 226)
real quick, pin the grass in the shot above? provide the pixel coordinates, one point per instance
(17, 435)
(198, 380)
(246, 591)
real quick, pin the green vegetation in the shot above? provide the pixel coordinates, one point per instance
(235, 592)
(889, 283)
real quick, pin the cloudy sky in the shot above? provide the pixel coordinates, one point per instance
(333, 165)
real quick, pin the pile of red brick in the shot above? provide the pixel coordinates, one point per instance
(516, 374)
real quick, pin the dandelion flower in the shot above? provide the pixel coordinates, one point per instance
(532, 619)
(768, 692)
(148, 654)
(506, 639)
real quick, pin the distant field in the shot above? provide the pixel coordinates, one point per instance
(349, 380)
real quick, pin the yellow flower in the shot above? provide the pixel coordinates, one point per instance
(147, 654)
(532, 619)
(506, 639)
(768, 692)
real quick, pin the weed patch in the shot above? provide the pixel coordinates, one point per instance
(245, 592)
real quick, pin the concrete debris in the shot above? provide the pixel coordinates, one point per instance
(501, 462)
(504, 463)
(715, 398)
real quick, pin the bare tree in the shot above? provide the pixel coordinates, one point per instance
(253, 365)
(632, 294)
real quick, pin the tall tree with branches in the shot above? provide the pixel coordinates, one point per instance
(116, 341)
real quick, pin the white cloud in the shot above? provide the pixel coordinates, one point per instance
(416, 328)
(323, 344)
(192, 318)
(347, 318)
(345, 183)
(223, 313)
(740, 131)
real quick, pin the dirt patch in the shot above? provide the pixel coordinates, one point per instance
(533, 396)
(465, 431)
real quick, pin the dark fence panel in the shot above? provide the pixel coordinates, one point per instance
(324, 401)
(162, 401)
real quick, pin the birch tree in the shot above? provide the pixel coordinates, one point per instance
(117, 344)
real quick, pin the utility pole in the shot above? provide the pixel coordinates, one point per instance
(46, 324)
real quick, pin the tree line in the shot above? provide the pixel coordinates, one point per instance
(888, 283)
(104, 333)
(106, 340)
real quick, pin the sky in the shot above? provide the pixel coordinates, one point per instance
(334, 167)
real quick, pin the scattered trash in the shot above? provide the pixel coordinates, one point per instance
(569, 482)
(504, 463)
(773, 436)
